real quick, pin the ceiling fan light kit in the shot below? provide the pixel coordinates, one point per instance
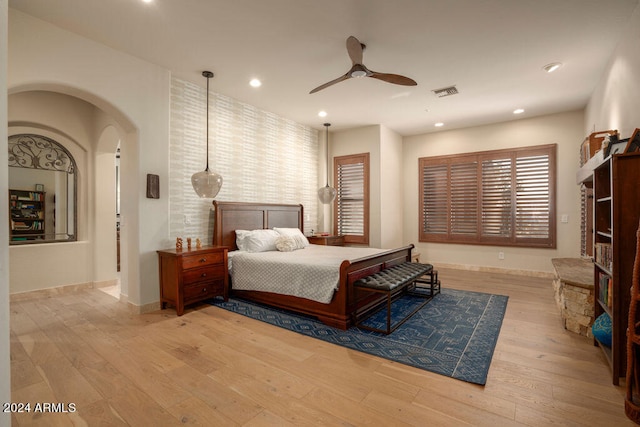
(207, 183)
(358, 70)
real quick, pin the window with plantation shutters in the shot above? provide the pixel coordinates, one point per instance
(351, 213)
(504, 197)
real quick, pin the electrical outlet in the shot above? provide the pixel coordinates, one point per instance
(500, 255)
(186, 220)
(564, 218)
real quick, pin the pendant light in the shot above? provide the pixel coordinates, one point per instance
(207, 183)
(326, 194)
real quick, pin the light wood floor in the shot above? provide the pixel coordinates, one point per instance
(211, 367)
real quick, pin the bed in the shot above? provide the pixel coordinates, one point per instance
(339, 312)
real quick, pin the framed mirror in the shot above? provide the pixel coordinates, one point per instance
(42, 191)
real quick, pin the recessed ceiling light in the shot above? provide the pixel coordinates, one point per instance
(255, 83)
(439, 124)
(147, 1)
(518, 111)
(322, 114)
(550, 68)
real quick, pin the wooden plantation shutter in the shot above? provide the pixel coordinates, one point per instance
(435, 218)
(496, 198)
(533, 190)
(503, 197)
(464, 199)
(351, 213)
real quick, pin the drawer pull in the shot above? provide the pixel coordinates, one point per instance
(203, 275)
(204, 289)
(203, 260)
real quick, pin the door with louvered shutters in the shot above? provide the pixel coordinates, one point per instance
(351, 212)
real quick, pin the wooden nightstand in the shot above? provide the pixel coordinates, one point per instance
(327, 240)
(189, 276)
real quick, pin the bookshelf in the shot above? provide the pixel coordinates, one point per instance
(26, 215)
(616, 211)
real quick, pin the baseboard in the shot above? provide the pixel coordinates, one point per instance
(145, 308)
(105, 283)
(528, 273)
(49, 292)
(59, 290)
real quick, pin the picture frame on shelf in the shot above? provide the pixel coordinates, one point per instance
(633, 146)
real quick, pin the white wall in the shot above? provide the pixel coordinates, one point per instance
(105, 249)
(565, 130)
(136, 94)
(615, 103)
(5, 367)
(385, 179)
(391, 194)
(355, 141)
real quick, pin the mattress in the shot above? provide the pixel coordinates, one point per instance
(312, 273)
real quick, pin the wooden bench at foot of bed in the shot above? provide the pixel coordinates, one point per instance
(393, 282)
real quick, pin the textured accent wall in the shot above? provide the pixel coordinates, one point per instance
(262, 158)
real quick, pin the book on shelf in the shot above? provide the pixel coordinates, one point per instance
(603, 254)
(605, 289)
(22, 226)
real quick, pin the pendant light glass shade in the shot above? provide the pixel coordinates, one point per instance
(207, 183)
(326, 194)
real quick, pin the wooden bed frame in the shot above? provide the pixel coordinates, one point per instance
(340, 312)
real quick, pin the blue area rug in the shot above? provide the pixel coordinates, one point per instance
(453, 335)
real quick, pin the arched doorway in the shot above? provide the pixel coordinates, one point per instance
(98, 128)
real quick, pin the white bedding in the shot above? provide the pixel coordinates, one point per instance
(312, 273)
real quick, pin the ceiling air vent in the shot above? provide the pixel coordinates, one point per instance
(445, 91)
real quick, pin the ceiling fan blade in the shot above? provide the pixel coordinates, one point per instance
(332, 82)
(393, 78)
(354, 47)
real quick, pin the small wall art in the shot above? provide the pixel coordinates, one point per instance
(153, 186)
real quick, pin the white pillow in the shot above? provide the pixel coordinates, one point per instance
(301, 240)
(287, 244)
(240, 235)
(256, 240)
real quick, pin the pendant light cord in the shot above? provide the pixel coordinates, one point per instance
(208, 75)
(327, 150)
(207, 168)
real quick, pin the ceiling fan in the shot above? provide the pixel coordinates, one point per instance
(355, 49)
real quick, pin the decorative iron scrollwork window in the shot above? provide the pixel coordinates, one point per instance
(30, 151)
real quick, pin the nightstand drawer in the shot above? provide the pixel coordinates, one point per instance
(201, 260)
(201, 291)
(203, 274)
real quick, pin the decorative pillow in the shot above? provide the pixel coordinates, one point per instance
(602, 329)
(256, 240)
(287, 244)
(300, 238)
